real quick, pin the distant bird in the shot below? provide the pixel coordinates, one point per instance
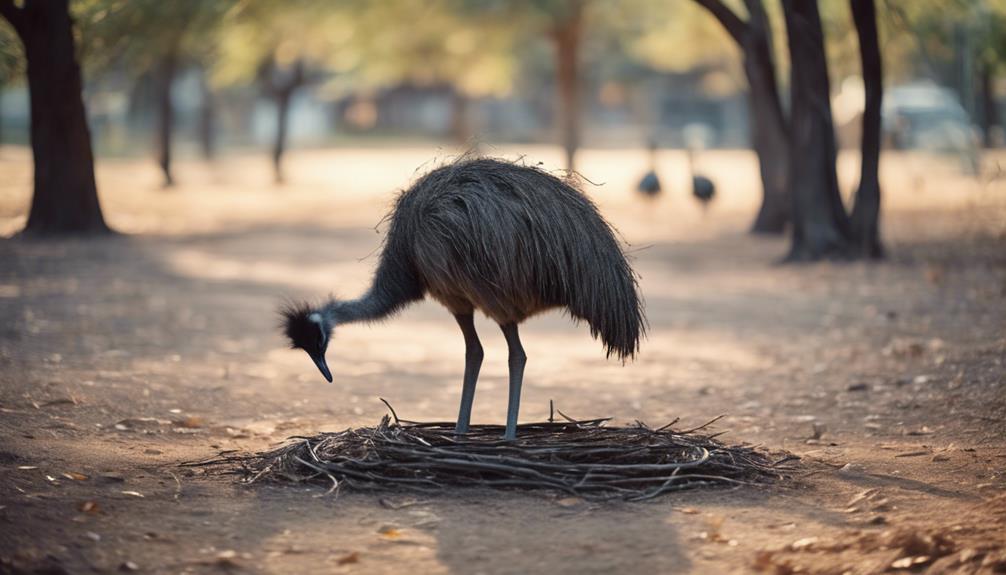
(702, 187)
(650, 184)
(508, 240)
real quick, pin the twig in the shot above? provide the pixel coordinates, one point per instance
(391, 409)
(585, 458)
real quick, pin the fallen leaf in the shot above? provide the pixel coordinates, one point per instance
(129, 566)
(190, 422)
(348, 558)
(569, 502)
(27, 467)
(877, 520)
(90, 507)
(687, 510)
(863, 495)
(909, 562)
(852, 468)
(73, 475)
(389, 532)
(803, 543)
(60, 401)
(133, 493)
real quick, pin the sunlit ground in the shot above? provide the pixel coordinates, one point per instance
(176, 318)
(353, 187)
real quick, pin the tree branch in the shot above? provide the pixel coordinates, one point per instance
(733, 24)
(15, 16)
(756, 15)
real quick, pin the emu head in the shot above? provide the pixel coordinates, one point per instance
(308, 329)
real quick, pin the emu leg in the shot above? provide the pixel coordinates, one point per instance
(516, 362)
(473, 362)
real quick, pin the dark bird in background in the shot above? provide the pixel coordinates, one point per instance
(649, 186)
(508, 240)
(702, 187)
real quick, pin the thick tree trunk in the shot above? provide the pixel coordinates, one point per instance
(279, 143)
(820, 225)
(66, 198)
(207, 121)
(866, 210)
(566, 36)
(167, 68)
(768, 124)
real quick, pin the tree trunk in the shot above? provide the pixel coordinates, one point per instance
(820, 224)
(769, 137)
(866, 210)
(207, 121)
(167, 69)
(280, 85)
(279, 144)
(65, 200)
(566, 36)
(990, 111)
(768, 124)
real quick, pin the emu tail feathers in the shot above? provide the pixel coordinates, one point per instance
(611, 306)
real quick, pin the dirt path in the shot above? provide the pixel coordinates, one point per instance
(121, 357)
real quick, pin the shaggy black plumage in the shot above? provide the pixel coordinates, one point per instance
(506, 239)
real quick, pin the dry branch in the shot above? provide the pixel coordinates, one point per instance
(585, 458)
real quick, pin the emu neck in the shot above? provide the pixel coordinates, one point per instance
(392, 289)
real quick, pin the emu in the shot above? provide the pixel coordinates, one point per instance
(703, 188)
(508, 240)
(649, 185)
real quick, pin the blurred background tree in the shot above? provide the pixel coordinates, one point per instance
(717, 73)
(283, 47)
(176, 35)
(432, 44)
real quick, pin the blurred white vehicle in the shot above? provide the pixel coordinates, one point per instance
(925, 116)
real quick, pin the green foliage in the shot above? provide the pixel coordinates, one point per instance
(313, 31)
(138, 33)
(920, 37)
(430, 42)
(368, 45)
(677, 35)
(11, 56)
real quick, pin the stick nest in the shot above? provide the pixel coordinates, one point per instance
(584, 458)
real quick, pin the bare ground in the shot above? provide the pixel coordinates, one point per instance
(124, 356)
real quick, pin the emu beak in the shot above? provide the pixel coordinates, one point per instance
(322, 366)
